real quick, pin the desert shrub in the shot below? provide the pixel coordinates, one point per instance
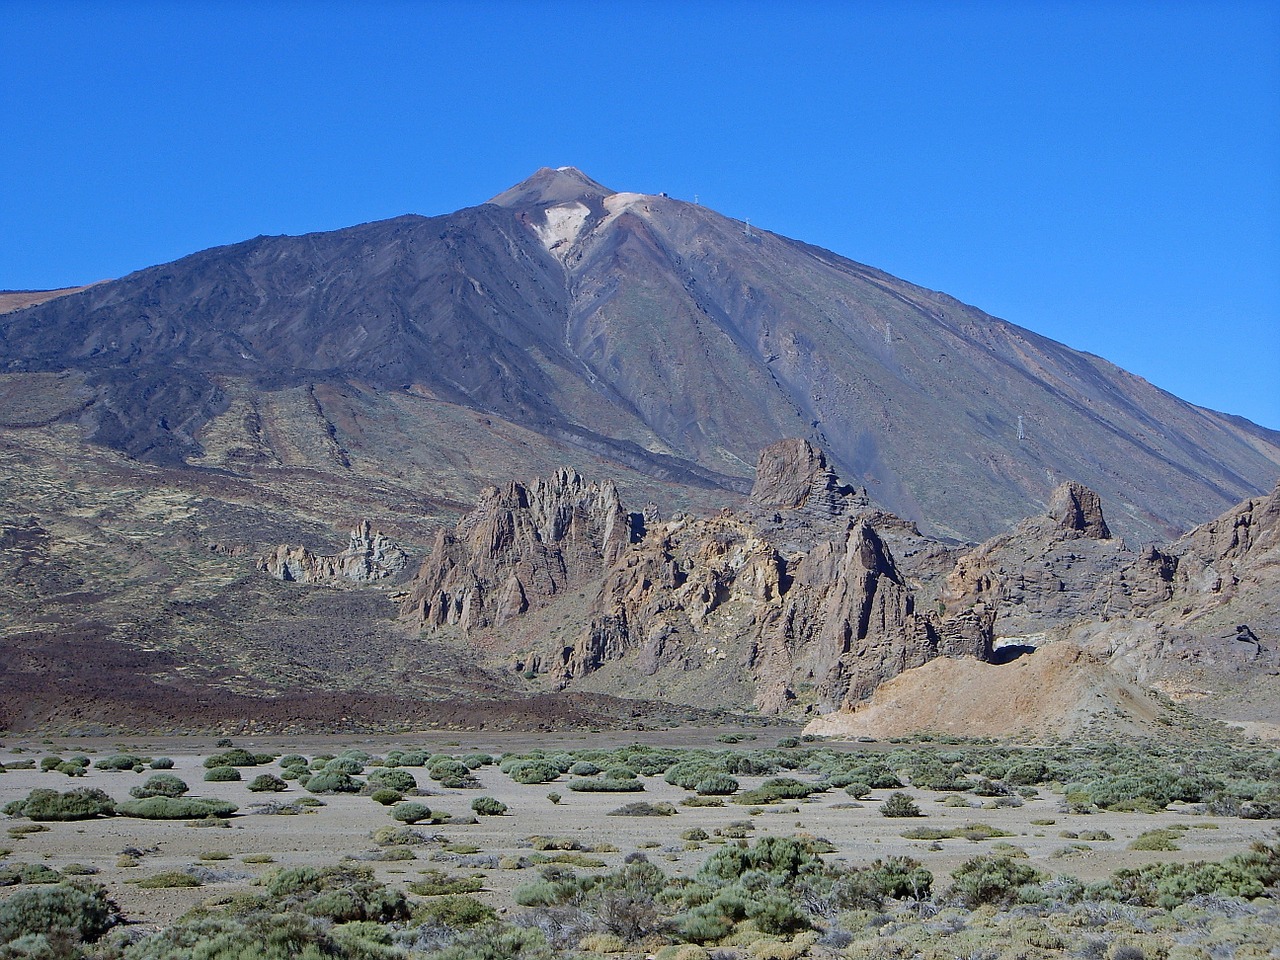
(900, 805)
(293, 760)
(643, 809)
(78, 909)
(348, 766)
(991, 880)
(620, 773)
(748, 765)
(584, 768)
(342, 893)
(267, 783)
(605, 785)
(687, 773)
(386, 797)
(1162, 840)
(778, 789)
(175, 808)
(162, 763)
(411, 811)
(499, 942)
(42, 804)
(857, 789)
(437, 883)
(221, 774)
(716, 785)
(393, 779)
(449, 769)
(72, 768)
(488, 807)
(1248, 874)
(50, 762)
(234, 758)
(160, 785)
(120, 761)
(455, 911)
(531, 771)
(332, 781)
(169, 880)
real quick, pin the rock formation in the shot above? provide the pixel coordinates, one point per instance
(369, 556)
(521, 547)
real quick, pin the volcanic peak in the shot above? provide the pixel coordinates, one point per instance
(550, 186)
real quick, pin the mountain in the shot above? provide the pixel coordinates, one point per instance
(231, 486)
(649, 334)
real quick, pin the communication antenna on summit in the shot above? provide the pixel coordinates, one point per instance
(695, 200)
(888, 333)
(748, 223)
(1022, 433)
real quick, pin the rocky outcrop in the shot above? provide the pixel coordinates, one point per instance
(1235, 551)
(793, 474)
(369, 556)
(521, 547)
(1055, 569)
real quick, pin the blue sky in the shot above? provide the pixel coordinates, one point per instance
(1107, 174)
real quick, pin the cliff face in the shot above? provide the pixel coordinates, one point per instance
(520, 548)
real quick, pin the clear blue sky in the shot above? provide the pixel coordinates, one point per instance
(1107, 174)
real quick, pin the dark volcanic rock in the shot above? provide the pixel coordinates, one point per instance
(1079, 509)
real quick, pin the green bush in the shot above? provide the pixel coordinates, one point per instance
(342, 894)
(532, 771)
(393, 778)
(644, 809)
(160, 785)
(120, 761)
(716, 785)
(77, 908)
(1248, 874)
(236, 758)
(778, 789)
(450, 769)
(344, 764)
(80, 804)
(454, 911)
(162, 763)
(267, 783)
(992, 880)
(411, 811)
(900, 804)
(386, 796)
(50, 763)
(330, 781)
(175, 808)
(170, 879)
(605, 785)
(584, 768)
(221, 774)
(488, 807)
(293, 760)
(437, 883)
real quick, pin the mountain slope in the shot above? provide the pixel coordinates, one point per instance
(651, 333)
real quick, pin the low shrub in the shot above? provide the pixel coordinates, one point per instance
(162, 763)
(331, 781)
(169, 880)
(900, 804)
(644, 809)
(992, 880)
(121, 761)
(237, 758)
(488, 807)
(411, 811)
(175, 808)
(437, 883)
(393, 778)
(605, 785)
(221, 774)
(42, 804)
(160, 785)
(77, 908)
(716, 785)
(267, 783)
(457, 912)
(386, 797)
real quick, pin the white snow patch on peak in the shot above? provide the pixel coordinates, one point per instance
(562, 224)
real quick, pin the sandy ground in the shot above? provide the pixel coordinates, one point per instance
(343, 826)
